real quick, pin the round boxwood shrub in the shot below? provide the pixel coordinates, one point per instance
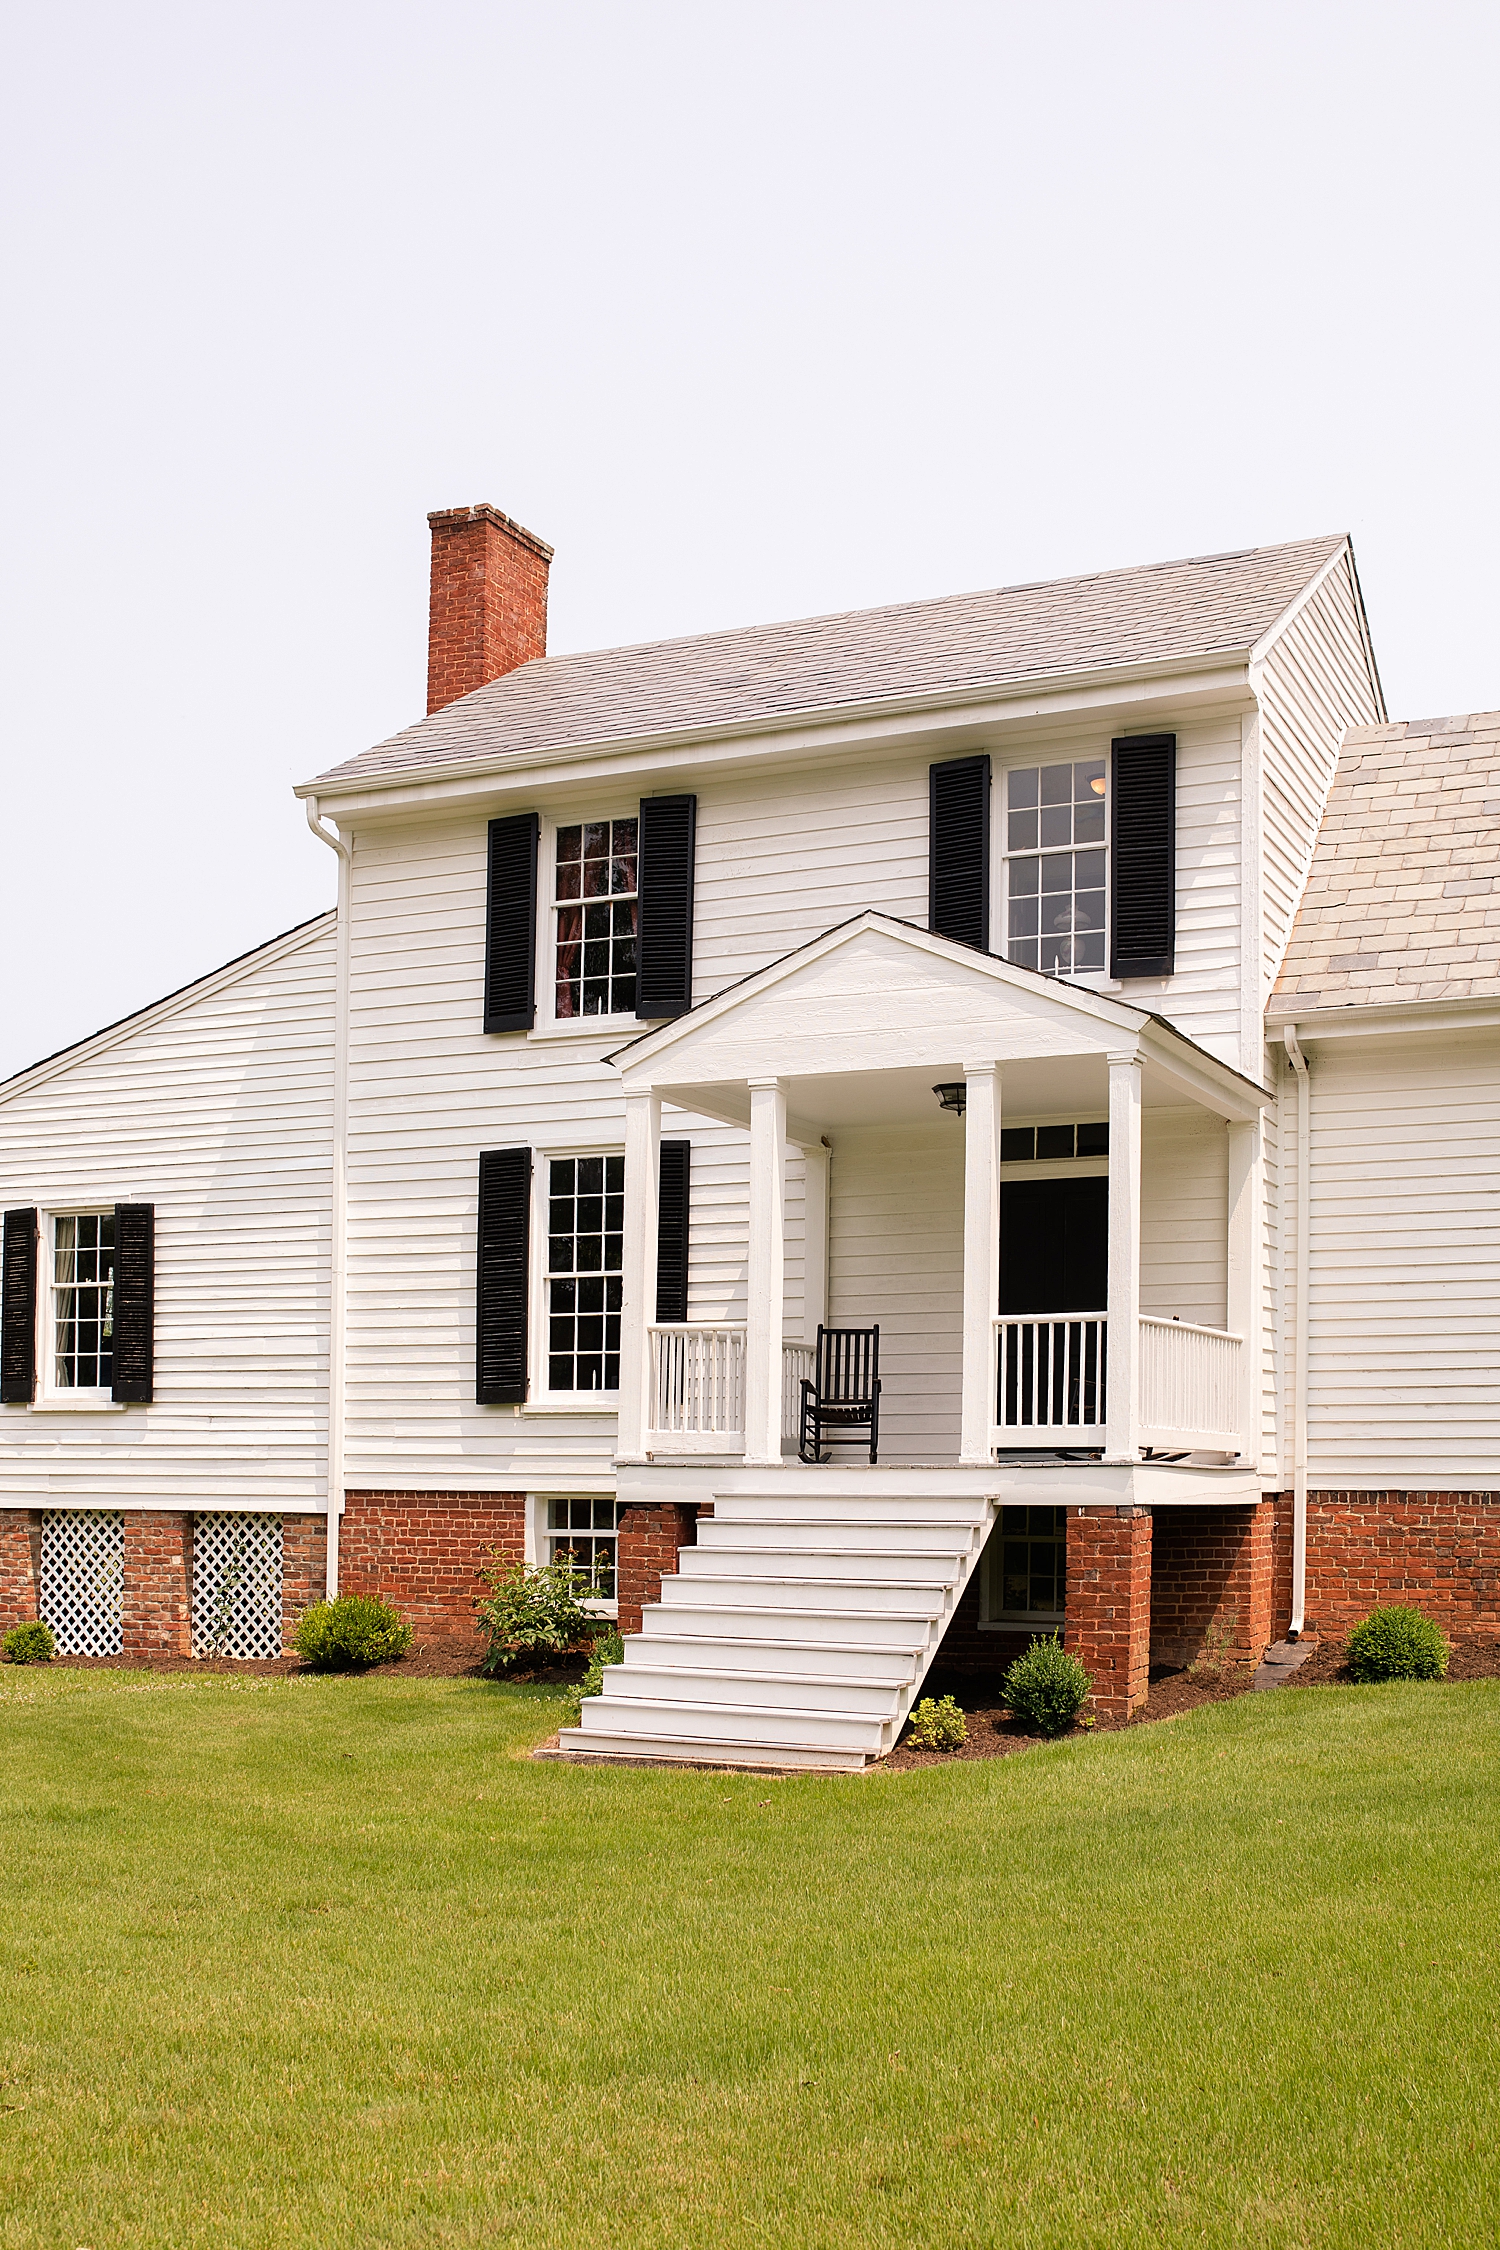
(1046, 1687)
(1395, 1643)
(355, 1629)
(29, 1644)
(937, 1725)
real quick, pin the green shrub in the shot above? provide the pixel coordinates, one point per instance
(608, 1649)
(938, 1725)
(1046, 1686)
(1395, 1643)
(533, 1611)
(29, 1644)
(340, 1635)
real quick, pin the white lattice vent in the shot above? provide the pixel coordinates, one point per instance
(236, 1585)
(83, 1578)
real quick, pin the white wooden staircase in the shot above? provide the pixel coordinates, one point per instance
(797, 1632)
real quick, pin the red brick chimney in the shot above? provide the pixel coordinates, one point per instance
(489, 600)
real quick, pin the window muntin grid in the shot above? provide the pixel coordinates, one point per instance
(582, 1528)
(1054, 842)
(1029, 1572)
(594, 897)
(585, 1246)
(83, 1301)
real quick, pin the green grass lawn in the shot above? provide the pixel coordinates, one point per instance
(332, 1963)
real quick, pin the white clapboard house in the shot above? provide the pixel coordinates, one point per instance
(877, 1134)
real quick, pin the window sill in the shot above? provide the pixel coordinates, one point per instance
(589, 1027)
(587, 1402)
(77, 1406)
(1037, 1621)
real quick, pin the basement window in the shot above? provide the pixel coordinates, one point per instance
(582, 1529)
(1025, 1568)
(595, 903)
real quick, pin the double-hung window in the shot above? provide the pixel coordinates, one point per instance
(1054, 866)
(594, 908)
(82, 1302)
(585, 1261)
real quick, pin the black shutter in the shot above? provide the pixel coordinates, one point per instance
(510, 925)
(134, 1303)
(672, 1231)
(504, 1236)
(1143, 855)
(664, 944)
(18, 1310)
(958, 851)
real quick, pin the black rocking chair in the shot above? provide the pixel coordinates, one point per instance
(844, 1395)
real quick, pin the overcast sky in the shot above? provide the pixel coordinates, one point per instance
(751, 310)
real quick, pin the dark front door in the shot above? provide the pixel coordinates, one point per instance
(1054, 1245)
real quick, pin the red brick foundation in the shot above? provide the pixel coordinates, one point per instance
(650, 1538)
(1211, 1572)
(1109, 1603)
(156, 1613)
(20, 1564)
(423, 1551)
(1439, 1551)
(304, 1568)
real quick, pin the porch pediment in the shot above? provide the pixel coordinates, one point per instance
(876, 994)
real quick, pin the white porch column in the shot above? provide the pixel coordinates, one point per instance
(981, 1256)
(1122, 1420)
(815, 1240)
(638, 1298)
(1243, 1296)
(767, 1270)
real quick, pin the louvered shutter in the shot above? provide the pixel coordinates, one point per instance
(1143, 855)
(664, 944)
(672, 1231)
(958, 851)
(510, 925)
(18, 1310)
(504, 1239)
(134, 1302)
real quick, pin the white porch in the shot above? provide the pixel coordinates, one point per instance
(835, 1054)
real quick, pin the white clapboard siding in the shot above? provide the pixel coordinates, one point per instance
(216, 1107)
(1404, 1302)
(895, 1255)
(1184, 1216)
(1314, 684)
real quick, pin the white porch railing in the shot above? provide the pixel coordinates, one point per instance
(697, 1390)
(1050, 1377)
(796, 1365)
(1190, 1386)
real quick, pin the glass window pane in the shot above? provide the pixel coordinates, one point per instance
(1088, 870)
(1023, 917)
(1053, 1141)
(1088, 779)
(1057, 785)
(1057, 872)
(1022, 826)
(1025, 877)
(1057, 826)
(1023, 786)
(1088, 822)
(1017, 1146)
(1093, 1140)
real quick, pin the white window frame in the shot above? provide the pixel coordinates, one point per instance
(540, 1399)
(51, 1396)
(539, 1535)
(549, 1025)
(993, 1620)
(1014, 762)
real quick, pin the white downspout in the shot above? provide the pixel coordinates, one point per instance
(338, 1245)
(1301, 1269)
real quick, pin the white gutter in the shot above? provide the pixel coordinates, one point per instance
(338, 1247)
(1302, 1267)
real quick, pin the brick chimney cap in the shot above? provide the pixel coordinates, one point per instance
(453, 519)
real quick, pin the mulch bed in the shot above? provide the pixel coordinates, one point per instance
(993, 1733)
(1472, 1656)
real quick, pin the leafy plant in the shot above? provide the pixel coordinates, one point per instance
(1218, 1640)
(609, 1648)
(532, 1611)
(1046, 1686)
(937, 1725)
(1396, 1643)
(29, 1644)
(355, 1629)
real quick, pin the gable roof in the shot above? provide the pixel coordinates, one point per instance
(1214, 606)
(1401, 901)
